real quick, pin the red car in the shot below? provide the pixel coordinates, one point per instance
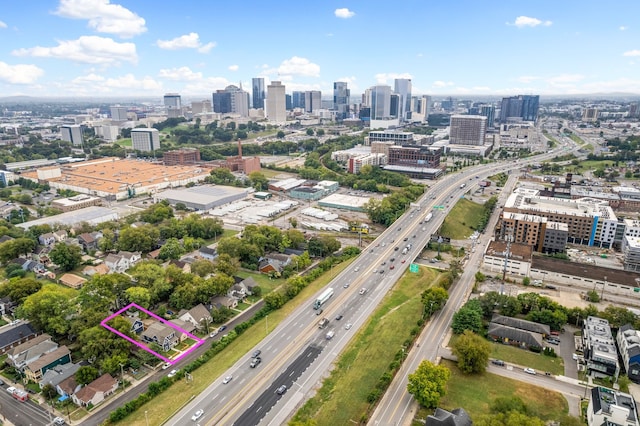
(391, 267)
(404, 260)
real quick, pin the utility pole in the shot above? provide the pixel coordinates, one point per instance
(509, 239)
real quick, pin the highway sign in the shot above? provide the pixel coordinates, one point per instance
(439, 207)
(413, 267)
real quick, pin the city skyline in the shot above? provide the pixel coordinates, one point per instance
(102, 48)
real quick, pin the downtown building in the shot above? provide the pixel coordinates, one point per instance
(145, 139)
(312, 101)
(402, 88)
(341, 96)
(519, 108)
(467, 130)
(173, 105)
(275, 103)
(258, 93)
(231, 100)
(72, 133)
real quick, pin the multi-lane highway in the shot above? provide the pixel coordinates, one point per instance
(249, 397)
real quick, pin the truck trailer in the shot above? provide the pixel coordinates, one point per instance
(326, 295)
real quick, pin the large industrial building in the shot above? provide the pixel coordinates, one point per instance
(202, 197)
(91, 215)
(116, 179)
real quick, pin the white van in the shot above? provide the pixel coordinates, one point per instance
(330, 335)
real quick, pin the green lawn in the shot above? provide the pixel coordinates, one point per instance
(124, 142)
(342, 399)
(527, 358)
(266, 284)
(475, 393)
(463, 219)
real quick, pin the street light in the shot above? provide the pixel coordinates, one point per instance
(122, 378)
(146, 417)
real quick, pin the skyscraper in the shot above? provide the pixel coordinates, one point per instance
(312, 100)
(173, 104)
(380, 102)
(297, 100)
(276, 102)
(403, 88)
(145, 139)
(488, 111)
(521, 107)
(341, 99)
(72, 133)
(258, 92)
(231, 100)
(467, 130)
(118, 113)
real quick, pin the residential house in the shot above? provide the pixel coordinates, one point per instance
(132, 257)
(72, 280)
(137, 325)
(58, 374)
(87, 242)
(182, 325)
(95, 392)
(47, 239)
(153, 254)
(457, 417)
(15, 335)
(36, 369)
(238, 291)
(7, 306)
(628, 340)
(41, 255)
(219, 302)
(198, 316)
(249, 284)
(116, 263)
(91, 270)
(610, 407)
(514, 336)
(522, 324)
(183, 266)
(162, 334)
(208, 253)
(29, 351)
(68, 386)
(274, 262)
(61, 235)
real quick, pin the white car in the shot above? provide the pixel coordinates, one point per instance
(227, 379)
(197, 415)
(172, 373)
(166, 365)
(348, 326)
(362, 290)
(530, 371)
(11, 389)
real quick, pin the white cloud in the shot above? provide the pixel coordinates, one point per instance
(233, 67)
(298, 66)
(19, 74)
(527, 21)
(88, 79)
(205, 85)
(86, 49)
(3, 25)
(565, 79)
(382, 78)
(103, 16)
(344, 13)
(180, 74)
(129, 81)
(187, 41)
(440, 83)
(635, 52)
(623, 28)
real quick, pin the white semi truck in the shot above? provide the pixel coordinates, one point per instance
(324, 296)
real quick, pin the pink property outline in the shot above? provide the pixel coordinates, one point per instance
(140, 345)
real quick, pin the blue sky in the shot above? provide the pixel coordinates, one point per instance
(194, 47)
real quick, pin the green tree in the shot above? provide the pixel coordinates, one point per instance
(259, 181)
(202, 267)
(67, 257)
(468, 317)
(472, 352)
(86, 374)
(18, 289)
(280, 134)
(49, 309)
(428, 383)
(171, 249)
(138, 295)
(142, 239)
(433, 299)
(226, 264)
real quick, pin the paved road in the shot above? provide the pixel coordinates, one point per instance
(22, 413)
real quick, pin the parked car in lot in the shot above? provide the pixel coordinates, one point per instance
(530, 371)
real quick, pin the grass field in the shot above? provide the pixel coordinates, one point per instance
(166, 404)
(342, 399)
(475, 393)
(124, 142)
(463, 219)
(539, 362)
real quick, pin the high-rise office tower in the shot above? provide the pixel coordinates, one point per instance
(72, 133)
(521, 107)
(467, 130)
(258, 93)
(403, 88)
(287, 102)
(633, 110)
(145, 139)
(312, 101)
(173, 104)
(341, 99)
(297, 99)
(488, 111)
(118, 113)
(231, 100)
(201, 107)
(380, 102)
(420, 108)
(276, 102)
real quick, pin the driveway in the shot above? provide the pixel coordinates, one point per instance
(566, 349)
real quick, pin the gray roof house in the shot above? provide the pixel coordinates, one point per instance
(162, 334)
(457, 417)
(522, 324)
(58, 374)
(14, 335)
(196, 315)
(514, 336)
